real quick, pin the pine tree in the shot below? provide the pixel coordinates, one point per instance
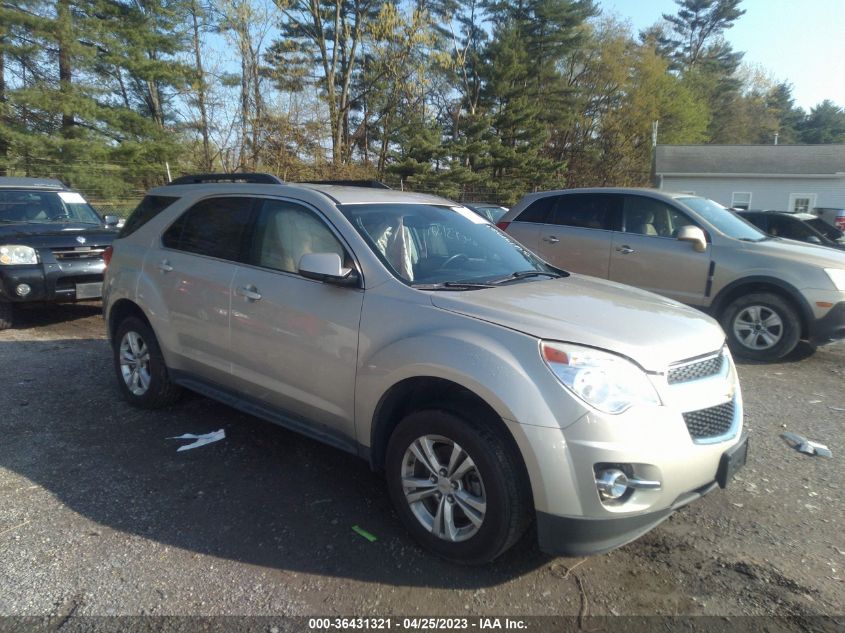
(698, 51)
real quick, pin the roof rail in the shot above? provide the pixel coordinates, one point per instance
(370, 184)
(253, 178)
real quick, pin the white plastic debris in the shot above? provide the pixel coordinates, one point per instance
(201, 440)
(803, 445)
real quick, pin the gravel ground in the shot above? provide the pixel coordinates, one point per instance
(99, 515)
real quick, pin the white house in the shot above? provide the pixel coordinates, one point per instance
(779, 177)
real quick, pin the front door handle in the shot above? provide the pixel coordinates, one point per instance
(625, 250)
(250, 292)
(551, 239)
(165, 266)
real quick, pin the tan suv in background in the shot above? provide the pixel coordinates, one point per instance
(768, 293)
(491, 388)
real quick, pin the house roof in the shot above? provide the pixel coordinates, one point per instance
(800, 160)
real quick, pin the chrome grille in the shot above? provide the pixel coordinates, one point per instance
(695, 370)
(711, 422)
(77, 254)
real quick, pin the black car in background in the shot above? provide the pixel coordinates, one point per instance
(802, 227)
(51, 245)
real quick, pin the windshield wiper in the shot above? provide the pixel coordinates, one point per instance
(525, 274)
(454, 285)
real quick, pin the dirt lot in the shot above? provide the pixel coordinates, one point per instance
(100, 515)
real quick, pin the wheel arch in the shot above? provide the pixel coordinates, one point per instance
(421, 392)
(120, 310)
(748, 285)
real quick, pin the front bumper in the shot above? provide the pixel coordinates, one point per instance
(830, 327)
(52, 281)
(581, 536)
(584, 536)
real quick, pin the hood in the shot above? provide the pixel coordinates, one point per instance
(55, 234)
(802, 252)
(649, 329)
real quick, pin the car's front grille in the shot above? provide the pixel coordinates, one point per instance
(78, 254)
(695, 370)
(710, 422)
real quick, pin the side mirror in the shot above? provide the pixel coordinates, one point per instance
(111, 221)
(695, 235)
(327, 267)
(813, 239)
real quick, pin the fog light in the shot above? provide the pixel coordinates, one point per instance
(23, 290)
(612, 483)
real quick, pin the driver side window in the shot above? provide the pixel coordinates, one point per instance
(285, 232)
(648, 216)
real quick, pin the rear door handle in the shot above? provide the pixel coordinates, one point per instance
(250, 292)
(625, 250)
(551, 239)
(165, 266)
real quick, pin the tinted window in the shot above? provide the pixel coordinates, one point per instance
(648, 216)
(757, 219)
(217, 227)
(825, 229)
(537, 211)
(149, 208)
(285, 232)
(588, 211)
(790, 228)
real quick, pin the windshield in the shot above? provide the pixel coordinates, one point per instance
(22, 205)
(426, 244)
(723, 220)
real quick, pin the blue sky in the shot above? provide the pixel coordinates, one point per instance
(800, 41)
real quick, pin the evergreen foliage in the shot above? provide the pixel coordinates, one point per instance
(472, 99)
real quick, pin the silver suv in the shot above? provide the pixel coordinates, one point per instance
(490, 388)
(767, 292)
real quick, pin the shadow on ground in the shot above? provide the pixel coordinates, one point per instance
(802, 352)
(263, 496)
(46, 314)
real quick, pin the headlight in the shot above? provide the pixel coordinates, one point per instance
(837, 276)
(603, 380)
(17, 254)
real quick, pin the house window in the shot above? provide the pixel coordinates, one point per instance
(741, 200)
(801, 202)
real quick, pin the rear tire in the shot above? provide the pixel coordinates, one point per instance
(142, 374)
(6, 315)
(475, 511)
(761, 326)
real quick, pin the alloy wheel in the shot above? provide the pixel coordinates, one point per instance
(443, 488)
(758, 327)
(135, 363)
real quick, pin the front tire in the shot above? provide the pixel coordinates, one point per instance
(457, 485)
(141, 371)
(761, 326)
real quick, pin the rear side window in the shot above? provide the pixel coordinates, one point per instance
(149, 208)
(588, 211)
(538, 211)
(216, 227)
